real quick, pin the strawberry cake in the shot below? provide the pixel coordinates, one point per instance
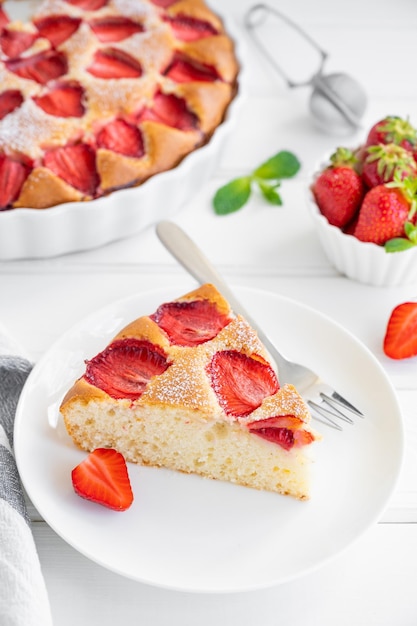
(190, 388)
(99, 95)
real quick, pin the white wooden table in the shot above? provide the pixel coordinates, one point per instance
(373, 582)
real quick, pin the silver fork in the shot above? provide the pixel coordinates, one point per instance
(327, 406)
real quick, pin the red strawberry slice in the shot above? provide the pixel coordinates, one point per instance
(400, 341)
(190, 323)
(121, 137)
(183, 70)
(189, 28)
(124, 368)
(41, 67)
(163, 3)
(170, 110)
(88, 5)
(114, 63)
(103, 478)
(4, 18)
(12, 176)
(241, 382)
(114, 28)
(14, 42)
(57, 28)
(9, 101)
(62, 100)
(76, 164)
(284, 430)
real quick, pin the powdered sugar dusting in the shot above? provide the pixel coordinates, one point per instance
(184, 383)
(240, 336)
(135, 8)
(25, 129)
(56, 7)
(287, 401)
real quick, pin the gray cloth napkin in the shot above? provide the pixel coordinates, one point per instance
(23, 595)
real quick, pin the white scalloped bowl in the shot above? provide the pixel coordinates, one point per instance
(361, 261)
(77, 226)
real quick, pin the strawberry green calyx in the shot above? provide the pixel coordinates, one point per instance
(397, 129)
(408, 187)
(343, 157)
(391, 159)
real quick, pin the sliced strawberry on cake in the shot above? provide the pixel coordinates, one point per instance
(171, 110)
(62, 100)
(10, 100)
(185, 70)
(114, 63)
(57, 28)
(14, 42)
(88, 5)
(188, 28)
(13, 174)
(190, 323)
(41, 67)
(114, 28)
(122, 137)
(190, 388)
(76, 165)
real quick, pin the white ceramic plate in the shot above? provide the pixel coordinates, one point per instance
(193, 534)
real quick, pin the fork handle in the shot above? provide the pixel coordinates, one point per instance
(183, 248)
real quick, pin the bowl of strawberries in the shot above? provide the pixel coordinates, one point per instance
(363, 203)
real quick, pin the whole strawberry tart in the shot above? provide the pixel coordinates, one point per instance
(190, 388)
(99, 95)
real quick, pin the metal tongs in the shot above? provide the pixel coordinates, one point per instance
(337, 101)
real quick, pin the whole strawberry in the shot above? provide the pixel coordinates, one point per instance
(382, 162)
(393, 129)
(386, 211)
(339, 189)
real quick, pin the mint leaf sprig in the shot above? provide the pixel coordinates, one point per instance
(267, 177)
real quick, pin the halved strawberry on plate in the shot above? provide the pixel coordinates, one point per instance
(103, 478)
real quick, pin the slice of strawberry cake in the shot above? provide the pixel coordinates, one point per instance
(190, 388)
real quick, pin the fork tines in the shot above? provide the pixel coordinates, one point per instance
(330, 409)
